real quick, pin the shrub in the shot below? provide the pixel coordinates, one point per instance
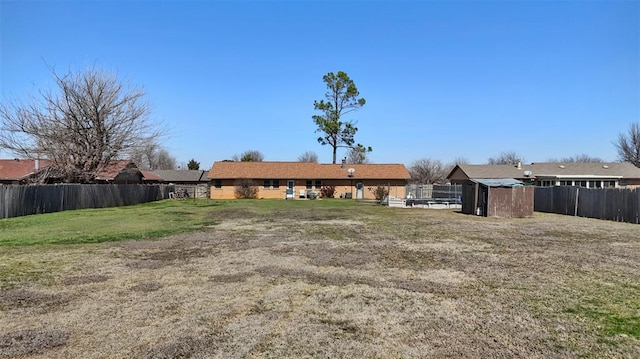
(245, 188)
(380, 192)
(327, 191)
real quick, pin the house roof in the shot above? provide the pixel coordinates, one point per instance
(17, 169)
(150, 176)
(498, 182)
(182, 175)
(551, 169)
(114, 168)
(305, 170)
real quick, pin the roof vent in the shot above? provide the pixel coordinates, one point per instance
(527, 173)
(605, 166)
(561, 166)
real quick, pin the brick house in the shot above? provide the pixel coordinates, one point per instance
(273, 179)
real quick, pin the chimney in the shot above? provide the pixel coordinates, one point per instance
(519, 165)
(37, 164)
(344, 163)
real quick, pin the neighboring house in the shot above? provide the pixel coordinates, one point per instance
(23, 171)
(273, 179)
(20, 171)
(182, 177)
(590, 175)
(119, 172)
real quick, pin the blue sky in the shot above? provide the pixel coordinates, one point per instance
(442, 79)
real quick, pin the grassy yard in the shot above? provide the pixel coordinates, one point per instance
(262, 278)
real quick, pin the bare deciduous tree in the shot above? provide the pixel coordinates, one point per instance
(152, 156)
(90, 119)
(358, 155)
(308, 156)
(249, 156)
(628, 145)
(582, 158)
(456, 161)
(164, 160)
(506, 158)
(427, 171)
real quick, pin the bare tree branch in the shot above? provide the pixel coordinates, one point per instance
(628, 145)
(91, 119)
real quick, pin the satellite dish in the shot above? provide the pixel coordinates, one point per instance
(528, 173)
(351, 171)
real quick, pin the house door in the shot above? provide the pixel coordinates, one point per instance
(359, 190)
(291, 184)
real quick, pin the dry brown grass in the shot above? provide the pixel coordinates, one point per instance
(370, 282)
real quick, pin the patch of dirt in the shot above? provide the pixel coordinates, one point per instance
(30, 341)
(342, 279)
(146, 287)
(85, 279)
(231, 278)
(323, 255)
(148, 264)
(22, 298)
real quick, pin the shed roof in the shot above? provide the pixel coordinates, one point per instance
(498, 182)
(182, 175)
(306, 170)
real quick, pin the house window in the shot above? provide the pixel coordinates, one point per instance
(581, 183)
(592, 184)
(318, 184)
(545, 183)
(217, 183)
(271, 183)
(609, 184)
(566, 183)
(309, 184)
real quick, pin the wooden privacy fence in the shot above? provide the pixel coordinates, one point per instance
(615, 204)
(17, 200)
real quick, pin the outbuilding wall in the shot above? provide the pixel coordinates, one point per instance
(505, 202)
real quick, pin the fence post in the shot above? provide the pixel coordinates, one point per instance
(575, 212)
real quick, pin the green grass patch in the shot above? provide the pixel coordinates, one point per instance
(16, 269)
(150, 220)
(615, 309)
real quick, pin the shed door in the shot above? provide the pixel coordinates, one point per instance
(483, 199)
